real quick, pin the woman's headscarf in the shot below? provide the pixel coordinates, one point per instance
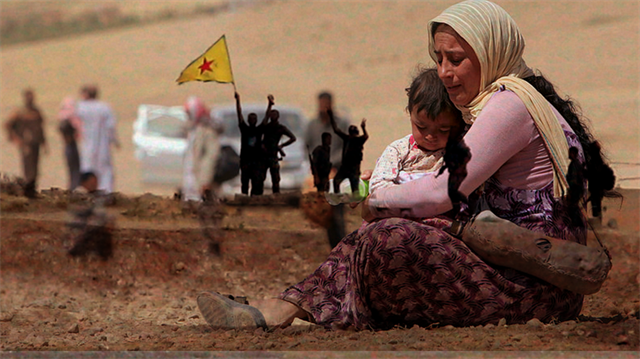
(197, 111)
(496, 40)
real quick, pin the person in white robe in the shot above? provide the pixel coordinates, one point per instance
(99, 133)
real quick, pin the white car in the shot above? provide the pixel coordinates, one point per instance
(159, 138)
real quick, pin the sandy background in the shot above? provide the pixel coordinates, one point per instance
(362, 51)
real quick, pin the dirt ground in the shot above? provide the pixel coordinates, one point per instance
(143, 299)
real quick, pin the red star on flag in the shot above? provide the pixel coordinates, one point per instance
(206, 66)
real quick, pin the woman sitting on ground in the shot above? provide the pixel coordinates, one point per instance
(397, 271)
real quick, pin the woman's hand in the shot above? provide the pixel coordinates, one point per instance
(366, 212)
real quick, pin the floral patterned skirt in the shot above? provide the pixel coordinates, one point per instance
(401, 272)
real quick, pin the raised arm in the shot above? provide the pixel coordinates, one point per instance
(335, 127)
(503, 129)
(365, 135)
(268, 112)
(239, 109)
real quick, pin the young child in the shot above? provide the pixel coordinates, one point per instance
(434, 119)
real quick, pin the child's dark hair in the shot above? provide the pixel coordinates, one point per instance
(428, 93)
(325, 135)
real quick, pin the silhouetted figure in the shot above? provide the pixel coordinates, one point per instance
(353, 146)
(273, 132)
(313, 138)
(25, 128)
(321, 124)
(455, 159)
(321, 163)
(92, 222)
(251, 152)
(69, 128)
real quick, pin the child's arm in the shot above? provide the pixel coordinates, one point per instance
(388, 166)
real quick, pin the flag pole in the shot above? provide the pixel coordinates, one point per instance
(230, 68)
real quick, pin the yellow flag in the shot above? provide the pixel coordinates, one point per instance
(213, 65)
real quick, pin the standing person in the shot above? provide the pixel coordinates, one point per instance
(321, 163)
(313, 138)
(397, 271)
(70, 126)
(251, 155)
(273, 132)
(322, 124)
(203, 149)
(99, 133)
(25, 128)
(353, 146)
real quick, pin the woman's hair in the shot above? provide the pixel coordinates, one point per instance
(428, 93)
(573, 115)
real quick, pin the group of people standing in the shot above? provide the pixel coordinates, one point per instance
(88, 129)
(261, 150)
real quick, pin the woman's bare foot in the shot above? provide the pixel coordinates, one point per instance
(279, 313)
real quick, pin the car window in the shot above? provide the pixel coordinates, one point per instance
(166, 126)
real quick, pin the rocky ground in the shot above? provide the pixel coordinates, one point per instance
(143, 298)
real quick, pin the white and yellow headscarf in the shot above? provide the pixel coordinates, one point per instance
(498, 44)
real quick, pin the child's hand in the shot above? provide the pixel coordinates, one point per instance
(236, 95)
(271, 99)
(366, 175)
(363, 123)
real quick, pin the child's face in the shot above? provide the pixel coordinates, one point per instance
(432, 134)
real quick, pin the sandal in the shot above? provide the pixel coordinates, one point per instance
(224, 312)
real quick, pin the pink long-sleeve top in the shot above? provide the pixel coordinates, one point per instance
(504, 143)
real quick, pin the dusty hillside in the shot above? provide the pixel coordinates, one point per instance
(363, 51)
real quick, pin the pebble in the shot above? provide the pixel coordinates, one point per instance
(7, 315)
(502, 322)
(489, 326)
(75, 328)
(450, 327)
(535, 323)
